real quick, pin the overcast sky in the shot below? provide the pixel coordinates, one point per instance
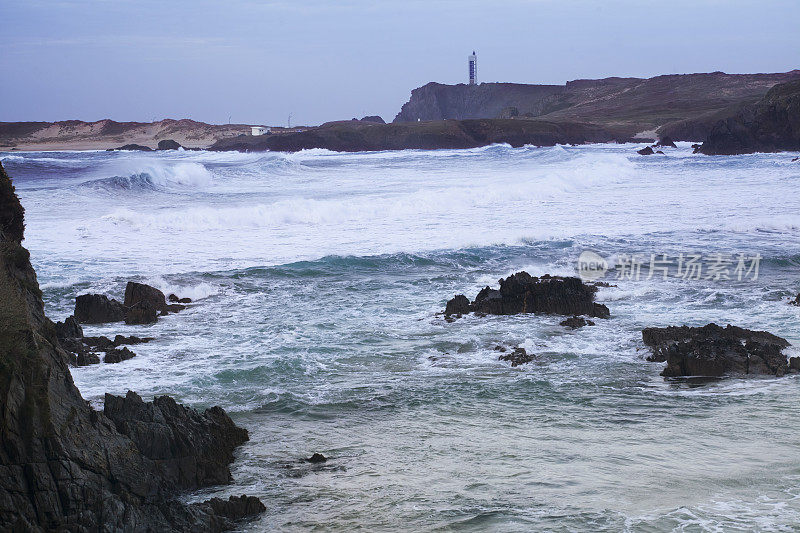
(256, 62)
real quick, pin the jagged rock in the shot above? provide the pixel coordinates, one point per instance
(133, 339)
(65, 466)
(236, 507)
(659, 152)
(139, 292)
(576, 322)
(102, 343)
(373, 118)
(645, 151)
(168, 144)
(193, 449)
(98, 309)
(523, 293)
(459, 305)
(316, 458)
(175, 299)
(665, 141)
(117, 355)
(141, 313)
(715, 351)
(518, 357)
(69, 329)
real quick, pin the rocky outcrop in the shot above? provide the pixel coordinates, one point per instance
(518, 356)
(575, 322)
(771, 125)
(65, 466)
(666, 141)
(131, 148)
(139, 292)
(715, 351)
(168, 144)
(647, 150)
(98, 309)
(357, 136)
(373, 118)
(523, 293)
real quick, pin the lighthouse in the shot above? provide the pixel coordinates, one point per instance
(473, 68)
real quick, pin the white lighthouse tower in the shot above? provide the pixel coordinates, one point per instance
(473, 68)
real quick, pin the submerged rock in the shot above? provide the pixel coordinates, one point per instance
(131, 147)
(98, 309)
(133, 339)
(316, 458)
(645, 151)
(523, 293)
(796, 301)
(712, 350)
(576, 322)
(175, 299)
(517, 357)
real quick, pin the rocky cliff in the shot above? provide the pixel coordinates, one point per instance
(65, 466)
(771, 125)
(625, 105)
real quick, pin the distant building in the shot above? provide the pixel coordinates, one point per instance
(473, 68)
(260, 130)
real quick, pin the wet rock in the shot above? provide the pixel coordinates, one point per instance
(69, 329)
(168, 144)
(139, 292)
(236, 507)
(141, 313)
(175, 299)
(796, 301)
(518, 357)
(459, 305)
(794, 364)
(715, 351)
(645, 151)
(576, 322)
(316, 458)
(194, 449)
(117, 355)
(87, 358)
(659, 152)
(174, 308)
(98, 309)
(523, 293)
(131, 147)
(666, 141)
(101, 343)
(133, 339)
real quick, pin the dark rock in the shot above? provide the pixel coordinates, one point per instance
(121, 339)
(659, 152)
(316, 458)
(459, 305)
(794, 364)
(65, 466)
(771, 125)
(168, 144)
(117, 355)
(174, 308)
(175, 299)
(796, 301)
(236, 507)
(98, 309)
(139, 292)
(373, 118)
(795, 159)
(523, 293)
(665, 141)
(518, 357)
(645, 151)
(715, 351)
(69, 329)
(576, 322)
(87, 358)
(131, 147)
(141, 313)
(102, 343)
(193, 449)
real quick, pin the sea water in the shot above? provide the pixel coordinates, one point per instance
(318, 279)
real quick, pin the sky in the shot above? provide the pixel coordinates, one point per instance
(257, 62)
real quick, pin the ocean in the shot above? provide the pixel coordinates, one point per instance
(318, 280)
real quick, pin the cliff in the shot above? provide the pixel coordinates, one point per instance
(356, 136)
(771, 125)
(65, 466)
(626, 105)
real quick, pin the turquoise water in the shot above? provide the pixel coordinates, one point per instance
(317, 280)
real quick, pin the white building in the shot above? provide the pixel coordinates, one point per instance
(473, 68)
(260, 130)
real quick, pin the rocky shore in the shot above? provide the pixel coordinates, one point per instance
(67, 467)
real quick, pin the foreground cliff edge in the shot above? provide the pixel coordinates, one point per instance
(65, 466)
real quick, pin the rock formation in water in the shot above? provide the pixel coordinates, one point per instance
(771, 125)
(715, 351)
(523, 293)
(65, 466)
